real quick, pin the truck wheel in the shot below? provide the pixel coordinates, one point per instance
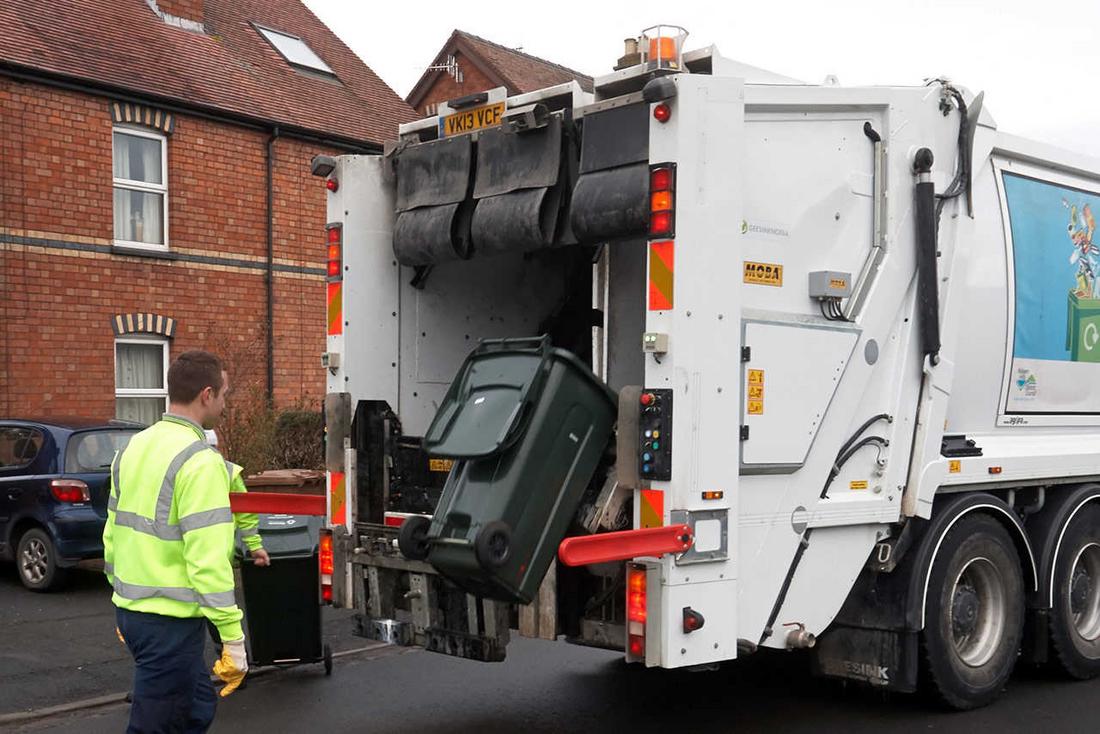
(36, 558)
(1075, 617)
(493, 545)
(412, 538)
(974, 614)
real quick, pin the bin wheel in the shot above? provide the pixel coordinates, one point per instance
(493, 545)
(328, 659)
(412, 538)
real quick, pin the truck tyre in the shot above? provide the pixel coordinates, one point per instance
(974, 614)
(493, 545)
(412, 538)
(1075, 616)
(36, 559)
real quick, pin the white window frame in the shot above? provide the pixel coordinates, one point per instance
(131, 392)
(129, 184)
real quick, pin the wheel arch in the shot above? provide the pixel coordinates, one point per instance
(946, 516)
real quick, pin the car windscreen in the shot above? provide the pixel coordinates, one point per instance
(93, 451)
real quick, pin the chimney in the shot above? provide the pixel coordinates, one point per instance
(187, 14)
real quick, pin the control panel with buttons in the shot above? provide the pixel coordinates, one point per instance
(655, 435)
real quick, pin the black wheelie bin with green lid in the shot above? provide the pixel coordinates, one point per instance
(527, 425)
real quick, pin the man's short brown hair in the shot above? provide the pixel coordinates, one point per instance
(191, 373)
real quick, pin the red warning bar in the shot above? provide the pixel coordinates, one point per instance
(277, 503)
(622, 546)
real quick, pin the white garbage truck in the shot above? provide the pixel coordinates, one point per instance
(853, 335)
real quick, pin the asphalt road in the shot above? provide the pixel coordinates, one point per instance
(61, 647)
(554, 687)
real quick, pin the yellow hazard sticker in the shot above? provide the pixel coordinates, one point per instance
(858, 484)
(756, 377)
(838, 283)
(764, 274)
(756, 407)
(756, 392)
(955, 466)
(441, 465)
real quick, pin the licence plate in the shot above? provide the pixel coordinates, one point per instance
(467, 121)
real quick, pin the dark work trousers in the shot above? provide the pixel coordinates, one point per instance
(172, 689)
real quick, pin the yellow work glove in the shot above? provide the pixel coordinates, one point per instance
(232, 666)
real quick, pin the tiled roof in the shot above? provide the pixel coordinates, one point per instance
(522, 71)
(518, 71)
(231, 68)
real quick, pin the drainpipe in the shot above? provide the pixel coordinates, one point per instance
(271, 266)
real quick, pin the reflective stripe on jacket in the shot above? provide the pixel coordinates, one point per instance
(169, 533)
(247, 523)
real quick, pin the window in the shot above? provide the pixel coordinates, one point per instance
(141, 189)
(19, 447)
(93, 451)
(295, 50)
(141, 379)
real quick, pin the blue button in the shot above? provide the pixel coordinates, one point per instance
(647, 457)
(645, 468)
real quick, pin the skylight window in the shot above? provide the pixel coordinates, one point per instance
(295, 50)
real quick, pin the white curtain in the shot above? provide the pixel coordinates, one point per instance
(139, 410)
(139, 366)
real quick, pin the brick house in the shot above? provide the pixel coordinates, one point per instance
(468, 64)
(155, 194)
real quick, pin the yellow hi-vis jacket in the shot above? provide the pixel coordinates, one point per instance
(247, 523)
(169, 535)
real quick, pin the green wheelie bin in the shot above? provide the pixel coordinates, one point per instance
(527, 425)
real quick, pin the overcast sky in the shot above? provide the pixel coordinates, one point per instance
(1037, 60)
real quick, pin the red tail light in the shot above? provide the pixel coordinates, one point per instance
(662, 200)
(662, 112)
(326, 565)
(70, 490)
(335, 236)
(332, 184)
(635, 611)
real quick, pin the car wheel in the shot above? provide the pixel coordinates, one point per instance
(36, 559)
(1075, 617)
(974, 615)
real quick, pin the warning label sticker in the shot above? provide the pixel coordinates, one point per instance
(756, 392)
(441, 465)
(755, 397)
(955, 466)
(756, 377)
(858, 484)
(756, 407)
(764, 274)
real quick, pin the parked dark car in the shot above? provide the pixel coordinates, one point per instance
(54, 482)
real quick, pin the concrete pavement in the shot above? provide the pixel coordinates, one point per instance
(61, 647)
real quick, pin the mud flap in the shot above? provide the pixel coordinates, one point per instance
(882, 658)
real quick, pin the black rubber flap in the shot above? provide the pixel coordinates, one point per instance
(488, 404)
(517, 221)
(435, 173)
(615, 137)
(509, 162)
(432, 234)
(611, 204)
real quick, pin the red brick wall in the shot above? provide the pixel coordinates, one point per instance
(189, 9)
(445, 87)
(56, 304)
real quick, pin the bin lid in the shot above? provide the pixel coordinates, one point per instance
(487, 405)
